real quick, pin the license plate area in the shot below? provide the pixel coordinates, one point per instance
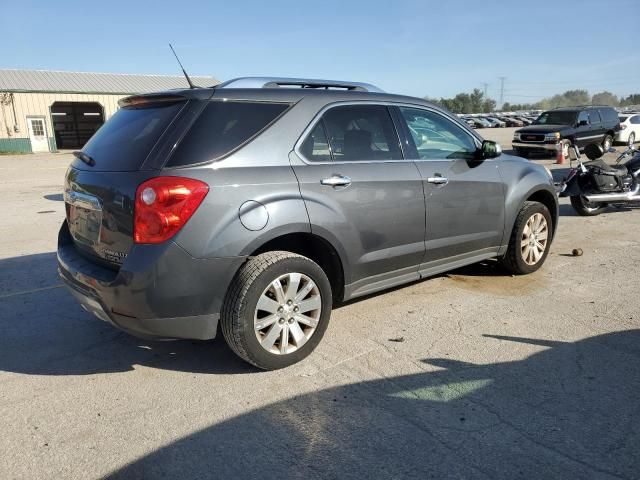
(84, 218)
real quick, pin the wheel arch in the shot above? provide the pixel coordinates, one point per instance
(549, 200)
(314, 247)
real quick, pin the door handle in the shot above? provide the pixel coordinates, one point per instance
(336, 181)
(438, 180)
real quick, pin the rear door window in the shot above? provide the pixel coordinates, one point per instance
(594, 117)
(222, 128)
(361, 133)
(124, 142)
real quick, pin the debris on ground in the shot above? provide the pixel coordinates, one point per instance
(577, 252)
(397, 339)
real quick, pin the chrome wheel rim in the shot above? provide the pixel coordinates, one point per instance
(607, 144)
(632, 139)
(534, 239)
(287, 313)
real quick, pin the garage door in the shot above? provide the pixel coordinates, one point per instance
(75, 122)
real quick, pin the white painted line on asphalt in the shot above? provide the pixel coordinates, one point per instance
(26, 292)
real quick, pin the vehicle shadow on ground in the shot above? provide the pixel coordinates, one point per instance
(568, 411)
(43, 331)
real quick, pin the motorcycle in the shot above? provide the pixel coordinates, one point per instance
(593, 186)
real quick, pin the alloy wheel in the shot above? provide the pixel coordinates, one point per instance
(287, 313)
(534, 239)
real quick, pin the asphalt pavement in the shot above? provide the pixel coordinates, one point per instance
(470, 374)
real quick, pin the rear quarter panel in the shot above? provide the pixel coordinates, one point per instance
(258, 173)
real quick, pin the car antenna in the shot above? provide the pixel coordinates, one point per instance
(191, 85)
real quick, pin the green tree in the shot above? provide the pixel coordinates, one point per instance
(473, 102)
(476, 98)
(633, 99)
(570, 98)
(605, 98)
(489, 105)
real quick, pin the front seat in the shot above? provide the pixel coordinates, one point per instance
(357, 145)
(594, 151)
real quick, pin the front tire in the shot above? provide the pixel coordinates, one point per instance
(586, 208)
(530, 239)
(277, 309)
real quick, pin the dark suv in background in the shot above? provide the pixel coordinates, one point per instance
(259, 203)
(570, 125)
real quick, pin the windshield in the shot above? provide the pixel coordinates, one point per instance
(556, 118)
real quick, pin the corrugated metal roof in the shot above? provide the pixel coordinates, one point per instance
(83, 82)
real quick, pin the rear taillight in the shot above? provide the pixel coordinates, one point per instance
(163, 205)
(622, 126)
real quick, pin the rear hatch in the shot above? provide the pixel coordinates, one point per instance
(100, 186)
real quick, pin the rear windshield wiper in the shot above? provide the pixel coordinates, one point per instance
(85, 158)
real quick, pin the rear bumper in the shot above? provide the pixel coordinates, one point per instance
(160, 291)
(535, 146)
(622, 135)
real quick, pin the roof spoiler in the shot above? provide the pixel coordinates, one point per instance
(274, 82)
(145, 100)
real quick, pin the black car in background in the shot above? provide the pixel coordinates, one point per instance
(570, 125)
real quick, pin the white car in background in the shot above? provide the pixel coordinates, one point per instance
(629, 128)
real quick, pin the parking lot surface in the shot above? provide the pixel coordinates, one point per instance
(471, 374)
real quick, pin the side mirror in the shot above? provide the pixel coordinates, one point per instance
(583, 123)
(490, 149)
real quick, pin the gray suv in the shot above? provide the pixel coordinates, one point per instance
(260, 203)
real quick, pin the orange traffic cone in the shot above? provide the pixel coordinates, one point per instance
(560, 159)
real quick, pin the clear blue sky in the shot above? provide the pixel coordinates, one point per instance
(435, 48)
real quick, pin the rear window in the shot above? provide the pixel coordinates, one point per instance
(222, 128)
(623, 119)
(123, 143)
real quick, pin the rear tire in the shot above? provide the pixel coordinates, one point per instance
(632, 139)
(530, 239)
(585, 208)
(607, 142)
(264, 322)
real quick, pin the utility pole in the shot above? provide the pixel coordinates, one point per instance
(502, 79)
(484, 86)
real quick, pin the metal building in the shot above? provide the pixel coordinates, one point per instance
(46, 111)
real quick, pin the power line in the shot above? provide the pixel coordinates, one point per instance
(574, 82)
(485, 85)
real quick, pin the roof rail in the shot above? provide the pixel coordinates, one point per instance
(274, 82)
